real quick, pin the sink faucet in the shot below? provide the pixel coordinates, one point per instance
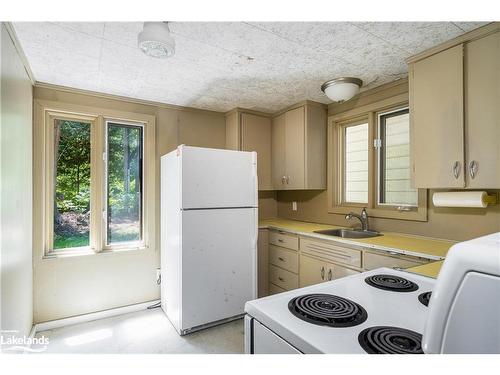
(363, 218)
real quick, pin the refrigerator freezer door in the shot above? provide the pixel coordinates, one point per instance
(213, 178)
(218, 264)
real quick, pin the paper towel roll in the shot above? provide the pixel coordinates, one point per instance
(460, 199)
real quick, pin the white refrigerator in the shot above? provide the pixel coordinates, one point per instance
(208, 235)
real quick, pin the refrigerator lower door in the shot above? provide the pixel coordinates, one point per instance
(218, 264)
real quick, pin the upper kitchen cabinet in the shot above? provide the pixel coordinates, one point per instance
(455, 115)
(299, 148)
(482, 112)
(251, 131)
(437, 123)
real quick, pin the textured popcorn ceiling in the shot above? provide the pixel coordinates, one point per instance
(221, 65)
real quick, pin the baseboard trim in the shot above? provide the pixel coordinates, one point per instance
(45, 326)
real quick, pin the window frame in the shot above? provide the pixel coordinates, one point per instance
(51, 118)
(335, 173)
(342, 162)
(129, 244)
(378, 162)
(45, 113)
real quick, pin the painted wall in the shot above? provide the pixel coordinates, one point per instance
(72, 286)
(16, 191)
(268, 204)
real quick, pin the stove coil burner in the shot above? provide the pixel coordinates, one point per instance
(424, 298)
(327, 310)
(390, 340)
(391, 282)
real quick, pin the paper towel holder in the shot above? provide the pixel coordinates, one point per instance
(464, 199)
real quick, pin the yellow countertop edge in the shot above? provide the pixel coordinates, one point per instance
(284, 225)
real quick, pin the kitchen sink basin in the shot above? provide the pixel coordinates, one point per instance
(348, 233)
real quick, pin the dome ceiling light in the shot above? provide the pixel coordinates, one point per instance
(341, 89)
(155, 40)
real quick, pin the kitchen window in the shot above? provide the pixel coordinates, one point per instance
(369, 165)
(71, 183)
(97, 172)
(393, 160)
(355, 176)
(123, 183)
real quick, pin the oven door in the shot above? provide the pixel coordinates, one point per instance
(261, 340)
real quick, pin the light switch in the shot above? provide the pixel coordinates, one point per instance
(294, 206)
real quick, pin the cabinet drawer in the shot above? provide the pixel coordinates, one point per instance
(289, 241)
(289, 260)
(274, 289)
(331, 252)
(284, 279)
(372, 261)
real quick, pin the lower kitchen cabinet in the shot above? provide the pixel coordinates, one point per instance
(372, 261)
(314, 271)
(284, 279)
(288, 261)
(284, 258)
(274, 289)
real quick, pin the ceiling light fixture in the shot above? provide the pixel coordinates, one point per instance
(341, 89)
(155, 40)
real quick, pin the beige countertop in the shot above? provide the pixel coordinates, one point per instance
(430, 269)
(425, 247)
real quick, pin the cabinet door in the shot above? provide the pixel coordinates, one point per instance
(337, 272)
(256, 136)
(278, 152)
(311, 271)
(437, 126)
(295, 148)
(263, 263)
(482, 125)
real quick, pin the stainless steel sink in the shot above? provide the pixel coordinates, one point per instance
(349, 233)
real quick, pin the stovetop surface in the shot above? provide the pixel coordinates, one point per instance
(383, 308)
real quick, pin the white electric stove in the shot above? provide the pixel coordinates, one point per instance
(324, 323)
(388, 311)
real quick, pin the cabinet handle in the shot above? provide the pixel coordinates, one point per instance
(456, 169)
(281, 279)
(280, 240)
(473, 167)
(322, 273)
(283, 180)
(287, 180)
(330, 274)
(280, 258)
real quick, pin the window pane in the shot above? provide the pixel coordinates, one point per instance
(72, 184)
(395, 186)
(124, 182)
(356, 164)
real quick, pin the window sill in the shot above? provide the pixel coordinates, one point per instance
(89, 252)
(68, 254)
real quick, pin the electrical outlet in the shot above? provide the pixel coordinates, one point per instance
(294, 206)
